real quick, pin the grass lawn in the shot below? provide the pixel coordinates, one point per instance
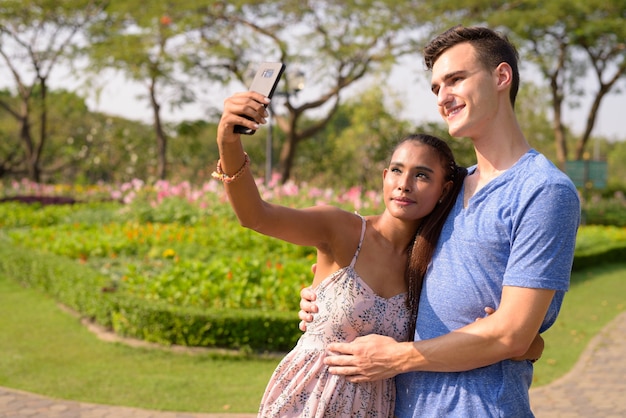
(46, 351)
(596, 296)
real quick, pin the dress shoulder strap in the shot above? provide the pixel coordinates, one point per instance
(358, 249)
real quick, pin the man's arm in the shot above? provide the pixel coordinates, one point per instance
(505, 334)
(308, 308)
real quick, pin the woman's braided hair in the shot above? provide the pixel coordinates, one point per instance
(423, 246)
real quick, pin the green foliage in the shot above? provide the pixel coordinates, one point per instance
(178, 211)
(167, 324)
(75, 285)
(599, 244)
(532, 109)
(192, 153)
(355, 145)
(81, 146)
(220, 283)
(615, 154)
(598, 239)
(211, 265)
(35, 37)
(20, 215)
(336, 45)
(606, 212)
(91, 294)
(204, 266)
(188, 51)
(183, 272)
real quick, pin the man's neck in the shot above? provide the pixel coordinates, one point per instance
(500, 146)
(496, 151)
(491, 161)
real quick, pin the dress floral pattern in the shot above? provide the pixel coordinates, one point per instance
(301, 385)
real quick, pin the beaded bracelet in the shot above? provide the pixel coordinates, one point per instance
(225, 178)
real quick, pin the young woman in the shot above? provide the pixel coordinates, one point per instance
(366, 266)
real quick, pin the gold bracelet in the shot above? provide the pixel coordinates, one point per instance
(225, 178)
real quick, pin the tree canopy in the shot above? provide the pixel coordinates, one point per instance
(182, 52)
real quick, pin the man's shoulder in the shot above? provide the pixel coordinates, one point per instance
(535, 180)
(535, 158)
(539, 169)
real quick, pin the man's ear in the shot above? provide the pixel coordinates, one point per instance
(504, 75)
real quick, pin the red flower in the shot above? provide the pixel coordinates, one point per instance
(165, 20)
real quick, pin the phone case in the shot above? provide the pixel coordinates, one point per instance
(265, 81)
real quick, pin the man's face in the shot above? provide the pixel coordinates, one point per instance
(465, 90)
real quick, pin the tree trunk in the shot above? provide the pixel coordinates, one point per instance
(287, 154)
(43, 125)
(31, 161)
(161, 137)
(591, 117)
(560, 137)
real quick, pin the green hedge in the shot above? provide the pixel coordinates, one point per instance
(229, 328)
(90, 293)
(605, 212)
(68, 282)
(611, 254)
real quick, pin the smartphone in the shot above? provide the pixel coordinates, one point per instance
(264, 82)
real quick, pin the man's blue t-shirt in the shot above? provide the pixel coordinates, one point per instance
(518, 230)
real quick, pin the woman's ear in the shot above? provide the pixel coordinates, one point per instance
(446, 189)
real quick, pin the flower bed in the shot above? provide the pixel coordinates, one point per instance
(170, 263)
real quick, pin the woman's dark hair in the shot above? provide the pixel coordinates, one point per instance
(492, 49)
(421, 252)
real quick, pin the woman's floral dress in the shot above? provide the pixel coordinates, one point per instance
(301, 385)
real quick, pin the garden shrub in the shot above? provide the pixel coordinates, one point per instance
(91, 294)
(229, 328)
(597, 244)
(606, 212)
(186, 273)
(68, 282)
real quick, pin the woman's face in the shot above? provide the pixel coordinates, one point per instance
(414, 181)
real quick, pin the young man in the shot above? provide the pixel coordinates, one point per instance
(508, 243)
